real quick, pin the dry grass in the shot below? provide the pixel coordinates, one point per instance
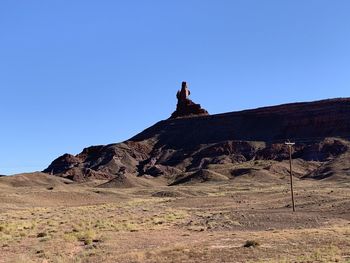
(209, 223)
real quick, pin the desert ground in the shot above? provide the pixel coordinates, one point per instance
(45, 218)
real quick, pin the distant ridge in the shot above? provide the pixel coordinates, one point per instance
(33, 179)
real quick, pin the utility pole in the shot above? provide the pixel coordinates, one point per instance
(290, 145)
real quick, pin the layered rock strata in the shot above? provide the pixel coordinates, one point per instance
(178, 146)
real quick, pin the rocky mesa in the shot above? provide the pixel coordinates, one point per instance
(193, 146)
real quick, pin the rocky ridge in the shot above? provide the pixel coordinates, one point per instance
(202, 147)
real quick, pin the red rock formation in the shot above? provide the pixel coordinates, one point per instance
(186, 145)
(186, 107)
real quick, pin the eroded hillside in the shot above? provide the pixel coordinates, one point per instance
(221, 147)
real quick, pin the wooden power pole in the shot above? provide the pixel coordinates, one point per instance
(290, 145)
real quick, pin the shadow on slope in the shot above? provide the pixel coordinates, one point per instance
(129, 181)
(202, 175)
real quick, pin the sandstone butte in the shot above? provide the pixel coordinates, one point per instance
(193, 146)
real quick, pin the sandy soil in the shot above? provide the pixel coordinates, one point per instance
(54, 221)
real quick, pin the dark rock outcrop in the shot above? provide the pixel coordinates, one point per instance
(101, 162)
(186, 107)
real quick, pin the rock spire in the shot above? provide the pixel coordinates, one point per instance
(186, 107)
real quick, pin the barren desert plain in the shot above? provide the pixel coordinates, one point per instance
(45, 219)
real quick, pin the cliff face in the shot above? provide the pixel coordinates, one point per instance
(297, 121)
(175, 148)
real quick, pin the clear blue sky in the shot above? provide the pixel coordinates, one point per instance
(81, 73)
